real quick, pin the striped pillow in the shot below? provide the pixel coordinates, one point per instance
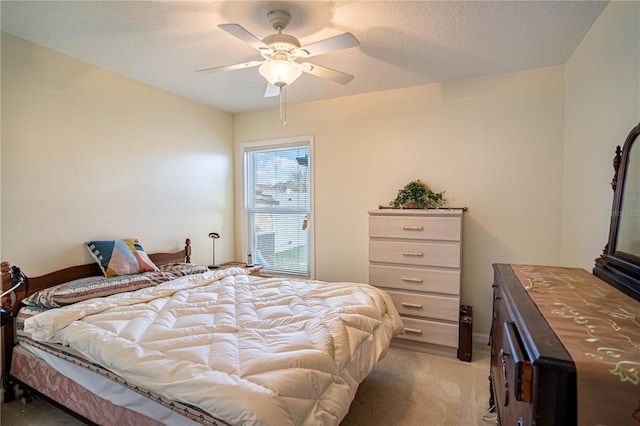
(90, 287)
(182, 269)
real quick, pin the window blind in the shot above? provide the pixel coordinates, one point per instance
(278, 208)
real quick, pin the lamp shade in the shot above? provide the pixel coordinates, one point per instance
(280, 73)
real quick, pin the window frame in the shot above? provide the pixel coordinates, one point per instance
(274, 144)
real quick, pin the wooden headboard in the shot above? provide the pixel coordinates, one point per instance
(54, 278)
(76, 272)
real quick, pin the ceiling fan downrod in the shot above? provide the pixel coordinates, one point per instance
(279, 19)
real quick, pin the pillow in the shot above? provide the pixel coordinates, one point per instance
(146, 265)
(90, 287)
(120, 257)
(182, 269)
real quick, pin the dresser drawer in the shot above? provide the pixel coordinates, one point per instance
(445, 228)
(425, 305)
(430, 332)
(405, 278)
(415, 253)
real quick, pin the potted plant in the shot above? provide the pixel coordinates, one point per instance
(417, 195)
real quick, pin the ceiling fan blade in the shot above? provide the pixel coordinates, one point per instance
(339, 42)
(231, 67)
(271, 91)
(327, 73)
(244, 35)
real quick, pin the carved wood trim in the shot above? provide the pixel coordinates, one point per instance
(621, 270)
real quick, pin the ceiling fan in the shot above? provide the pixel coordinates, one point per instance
(280, 52)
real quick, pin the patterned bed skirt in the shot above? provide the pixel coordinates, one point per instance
(37, 374)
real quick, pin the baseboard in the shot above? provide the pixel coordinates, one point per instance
(424, 347)
(481, 338)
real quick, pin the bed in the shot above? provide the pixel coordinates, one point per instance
(181, 344)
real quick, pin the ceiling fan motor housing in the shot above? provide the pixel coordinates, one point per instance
(282, 42)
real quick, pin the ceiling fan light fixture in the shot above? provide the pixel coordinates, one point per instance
(280, 73)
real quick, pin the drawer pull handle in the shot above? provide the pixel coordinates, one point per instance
(522, 370)
(413, 228)
(413, 280)
(412, 253)
(413, 330)
(503, 355)
(411, 305)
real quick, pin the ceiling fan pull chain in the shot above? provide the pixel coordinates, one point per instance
(283, 104)
(282, 94)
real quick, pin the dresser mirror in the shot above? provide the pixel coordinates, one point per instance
(619, 264)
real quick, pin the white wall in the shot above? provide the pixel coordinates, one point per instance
(493, 144)
(602, 106)
(89, 154)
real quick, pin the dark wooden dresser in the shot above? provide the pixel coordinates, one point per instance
(565, 348)
(565, 344)
(532, 375)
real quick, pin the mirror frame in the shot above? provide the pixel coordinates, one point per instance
(620, 269)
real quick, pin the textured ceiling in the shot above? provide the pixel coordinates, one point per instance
(402, 43)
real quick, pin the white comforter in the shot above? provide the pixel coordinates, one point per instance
(248, 350)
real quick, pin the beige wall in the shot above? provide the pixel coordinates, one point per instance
(602, 106)
(529, 153)
(509, 147)
(89, 154)
(493, 144)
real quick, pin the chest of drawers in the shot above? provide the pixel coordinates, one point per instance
(416, 257)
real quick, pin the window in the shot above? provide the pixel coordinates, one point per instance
(278, 205)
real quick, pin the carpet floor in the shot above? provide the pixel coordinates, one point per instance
(406, 388)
